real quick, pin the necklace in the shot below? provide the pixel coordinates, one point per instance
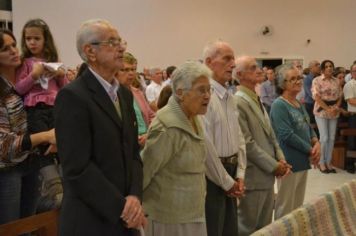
(294, 103)
(299, 108)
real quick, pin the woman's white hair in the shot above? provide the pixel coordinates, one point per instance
(186, 74)
(89, 32)
(281, 74)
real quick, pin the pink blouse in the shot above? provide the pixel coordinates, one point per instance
(33, 92)
(327, 90)
(147, 112)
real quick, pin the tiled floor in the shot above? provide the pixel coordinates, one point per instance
(319, 183)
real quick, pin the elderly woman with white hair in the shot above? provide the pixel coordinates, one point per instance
(296, 138)
(174, 157)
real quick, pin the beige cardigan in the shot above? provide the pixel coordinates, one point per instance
(174, 168)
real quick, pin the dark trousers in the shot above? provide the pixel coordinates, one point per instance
(351, 145)
(310, 107)
(41, 118)
(221, 210)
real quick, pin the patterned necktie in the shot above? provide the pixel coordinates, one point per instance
(115, 100)
(117, 106)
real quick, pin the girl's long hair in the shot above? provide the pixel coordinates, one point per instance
(50, 53)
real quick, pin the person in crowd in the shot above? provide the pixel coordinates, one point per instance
(146, 75)
(339, 73)
(71, 74)
(232, 85)
(350, 97)
(140, 83)
(297, 64)
(144, 115)
(154, 88)
(297, 139)
(164, 75)
(174, 157)
(39, 85)
(19, 167)
(268, 90)
(226, 149)
(265, 159)
(348, 75)
(314, 71)
(80, 69)
(169, 72)
(328, 96)
(306, 71)
(164, 96)
(96, 133)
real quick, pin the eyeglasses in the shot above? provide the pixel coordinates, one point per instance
(252, 68)
(113, 43)
(295, 79)
(202, 90)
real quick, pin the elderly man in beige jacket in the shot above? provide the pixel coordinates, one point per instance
(265, 159)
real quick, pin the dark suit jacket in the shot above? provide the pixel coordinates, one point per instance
(99, 154)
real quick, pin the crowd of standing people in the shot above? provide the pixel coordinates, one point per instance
(190, 153)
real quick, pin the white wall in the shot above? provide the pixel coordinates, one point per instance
(165, 32)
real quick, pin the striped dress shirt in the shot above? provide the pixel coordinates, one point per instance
(224, 136)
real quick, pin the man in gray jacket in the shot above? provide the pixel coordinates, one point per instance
(265, 159)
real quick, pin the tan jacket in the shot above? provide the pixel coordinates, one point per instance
(262, 149)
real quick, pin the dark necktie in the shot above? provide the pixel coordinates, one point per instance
(260, 103)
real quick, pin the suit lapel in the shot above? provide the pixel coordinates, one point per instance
(101, 97)
(262, 117)
(123, 106)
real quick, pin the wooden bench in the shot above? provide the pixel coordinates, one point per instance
(338, 155)
(44, 224)
(340, 145)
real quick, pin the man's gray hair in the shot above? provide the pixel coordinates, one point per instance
(212, 49)
(186, 74)
(313, 63)
(89, 32)
(281, 74)
(152, 71)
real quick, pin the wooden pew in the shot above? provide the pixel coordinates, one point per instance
(44, 224)
(340, 145)
(349, 132)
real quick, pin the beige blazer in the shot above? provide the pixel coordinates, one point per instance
(262, 149)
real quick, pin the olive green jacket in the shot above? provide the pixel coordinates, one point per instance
(174, 184)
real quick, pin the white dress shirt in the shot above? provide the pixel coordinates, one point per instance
(152, 91)
(224, 136)
(111, 89)
(350, 92)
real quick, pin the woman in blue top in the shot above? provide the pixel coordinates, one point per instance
(296, 138)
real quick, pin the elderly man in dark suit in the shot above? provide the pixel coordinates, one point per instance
(97, 141)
